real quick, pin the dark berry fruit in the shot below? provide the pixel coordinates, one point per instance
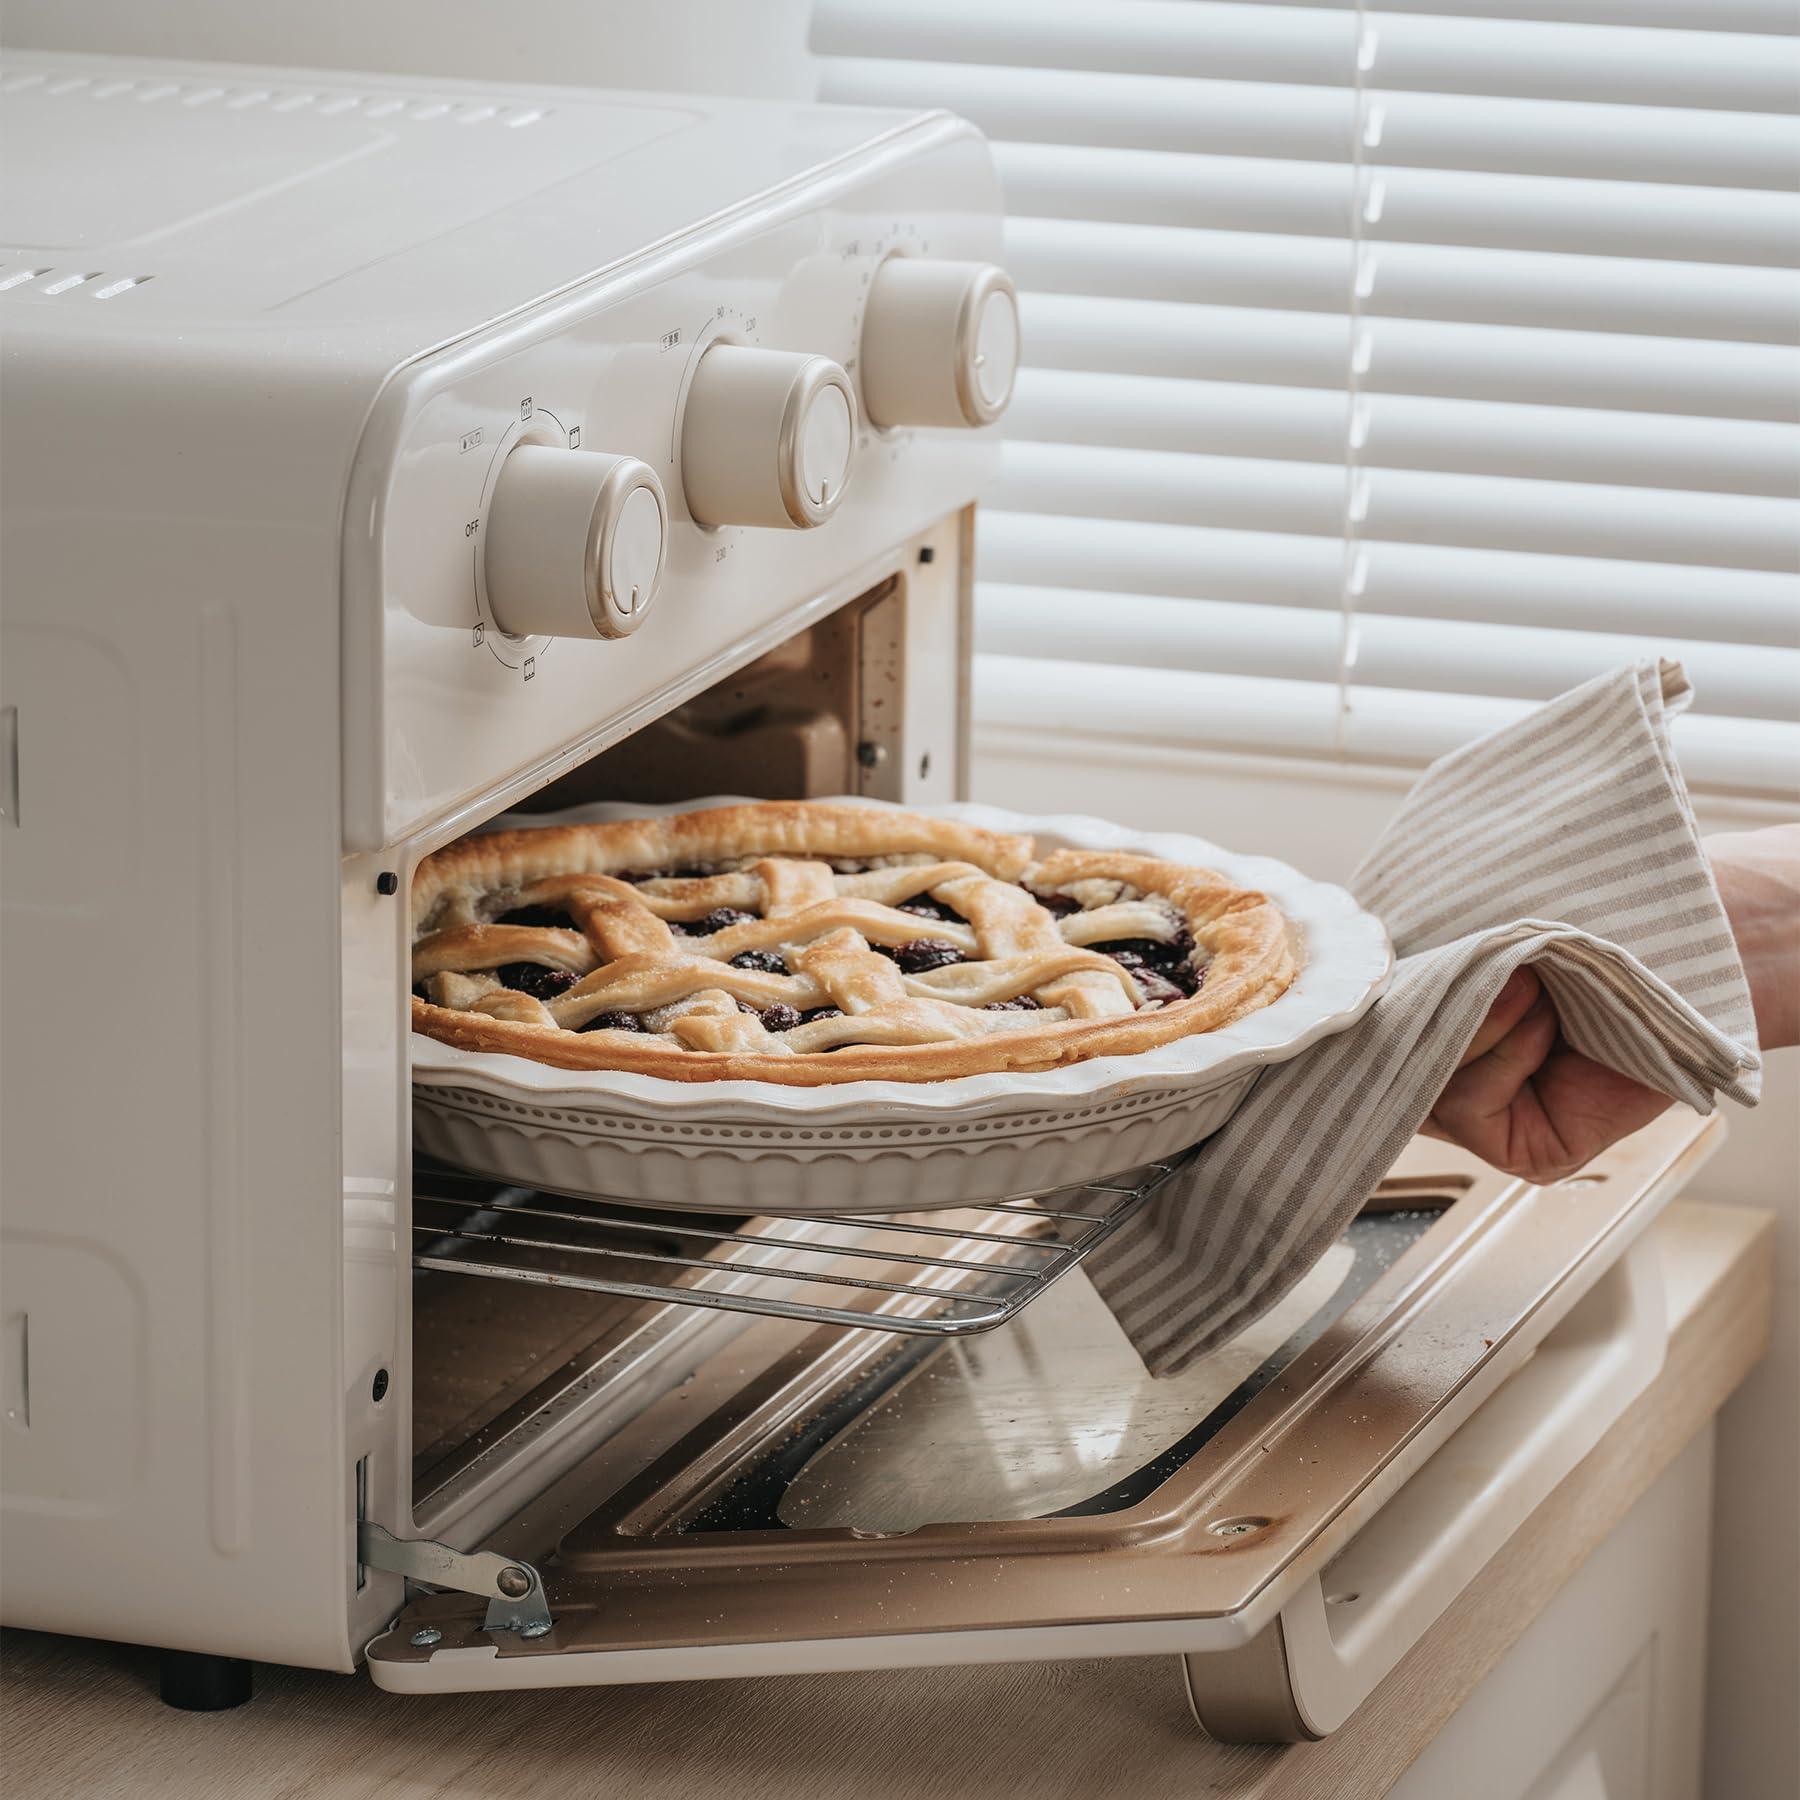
(924, 907)
(1139, 953)
(1018, 1003)
(719, 919)
(768, 961)
(822, 1012)
(922, 954)
(780, 1017)
(613, 1021)
(1150, 956)
(1155, 988)
(1059, 906)
(539, 915)
(535, 979)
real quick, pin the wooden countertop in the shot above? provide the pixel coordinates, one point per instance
(83, 1719)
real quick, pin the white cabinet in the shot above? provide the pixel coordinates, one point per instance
(1602, 1697)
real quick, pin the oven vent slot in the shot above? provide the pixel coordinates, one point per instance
(73, 284)
(322, 102)
(938, 1274)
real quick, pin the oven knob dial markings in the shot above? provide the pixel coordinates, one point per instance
(767, 437)
(575, 542)
(940, 343)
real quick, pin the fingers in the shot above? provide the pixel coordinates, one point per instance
(1529, 1103)
(1510, 1005)
(1492, 1082)
(1489, 1105)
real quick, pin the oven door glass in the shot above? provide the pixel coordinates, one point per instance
(831, 1498)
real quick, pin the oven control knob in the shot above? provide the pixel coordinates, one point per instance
(766, 438)
(940, 343)
(576, 542)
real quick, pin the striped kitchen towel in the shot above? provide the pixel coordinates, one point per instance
(1565, 841)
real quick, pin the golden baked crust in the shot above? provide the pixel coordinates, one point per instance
(990, 968)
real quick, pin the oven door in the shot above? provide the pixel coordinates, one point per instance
(851, 1499)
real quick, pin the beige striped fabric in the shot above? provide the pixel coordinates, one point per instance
(1565, 841)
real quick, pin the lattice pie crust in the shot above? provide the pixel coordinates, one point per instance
(799, 943)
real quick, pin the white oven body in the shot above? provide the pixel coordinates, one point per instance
(243, 684)
(270, 336)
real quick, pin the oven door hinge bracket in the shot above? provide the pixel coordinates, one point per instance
(514, 1589)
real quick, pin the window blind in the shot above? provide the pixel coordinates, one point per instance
(1386, 371)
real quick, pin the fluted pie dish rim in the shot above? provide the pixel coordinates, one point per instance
(1341, 958)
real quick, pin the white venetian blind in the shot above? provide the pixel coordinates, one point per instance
(1386, 370)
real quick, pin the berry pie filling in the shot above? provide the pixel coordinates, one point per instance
(1164, 969)
(533, 941)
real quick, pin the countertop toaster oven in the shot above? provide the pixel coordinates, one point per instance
(384, 455)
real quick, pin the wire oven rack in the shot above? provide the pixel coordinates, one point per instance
(940, 1274)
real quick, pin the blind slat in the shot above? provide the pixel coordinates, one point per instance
(1224, 638)
(1146, 112)
(1171, 487)
(1133, 37)
(1594, 370)
(1728, 531)
(1229, 712)
(1666, 221)
(1430, 53)
(1426, 206)
(1166, 187)
(1617, 64)
(1645, 143)
(1273, 568)
(1621, 372)
(1142, 412)
(1426, 131)
(1163, 706)
(1555, 593)
(1776, 16)
(1470, 437)
(1559, 291)
(1157, 337)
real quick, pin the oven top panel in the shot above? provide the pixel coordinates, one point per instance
(371, 205)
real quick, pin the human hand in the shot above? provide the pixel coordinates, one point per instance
(1526, 1102)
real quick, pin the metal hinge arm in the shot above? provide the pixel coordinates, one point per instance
(514, 1589)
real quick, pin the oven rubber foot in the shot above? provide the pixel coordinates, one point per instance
(195, 1683)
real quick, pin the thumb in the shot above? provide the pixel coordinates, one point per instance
(1483, 1091)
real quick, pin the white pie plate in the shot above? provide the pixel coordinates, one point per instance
(887, 1146)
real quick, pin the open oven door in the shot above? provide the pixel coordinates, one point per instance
(1289, 1518)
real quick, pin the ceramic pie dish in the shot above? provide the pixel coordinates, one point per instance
(883, 1144)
